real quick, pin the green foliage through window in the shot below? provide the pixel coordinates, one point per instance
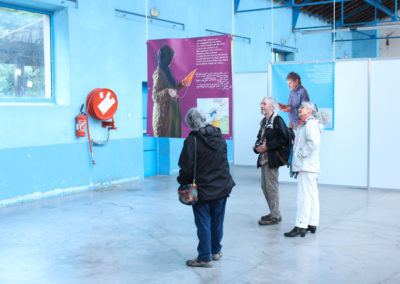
(24, 54)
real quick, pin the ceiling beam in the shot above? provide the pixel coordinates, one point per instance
(372, 38)
(381, 7)
(236, 5)
(354, 12)
(295, 16)
(290, 5)
(365, 34)
(328, 29)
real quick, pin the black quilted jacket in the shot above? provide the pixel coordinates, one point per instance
(277, 141)
(213, 178)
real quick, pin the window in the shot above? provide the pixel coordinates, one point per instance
(25, 65)
(281, 55)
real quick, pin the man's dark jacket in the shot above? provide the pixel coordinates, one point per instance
(213, 178)
(277, 141)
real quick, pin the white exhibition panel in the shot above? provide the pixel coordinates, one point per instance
(385, 133)
(248, 91)
(344, 149)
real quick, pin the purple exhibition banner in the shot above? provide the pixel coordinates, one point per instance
(185, 73)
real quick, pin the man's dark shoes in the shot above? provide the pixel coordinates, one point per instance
(312, 229)
(266, 217)
(295, 232)
(269, 220)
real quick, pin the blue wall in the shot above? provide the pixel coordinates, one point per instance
(94, 48)
(365, 48)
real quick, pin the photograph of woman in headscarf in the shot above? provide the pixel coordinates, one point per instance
(166, 111)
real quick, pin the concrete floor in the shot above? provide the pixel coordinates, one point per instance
(139, 233)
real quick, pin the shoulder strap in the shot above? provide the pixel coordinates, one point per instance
(283, 161)
(277, 119)
(195, 160)
(272, 120)
(269, 120)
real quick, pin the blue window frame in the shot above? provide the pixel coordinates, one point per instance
(281, 55)
(26, 55)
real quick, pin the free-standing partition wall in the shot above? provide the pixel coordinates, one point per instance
(384, 121)
(363, 149)
(344, 151)
(248, 91)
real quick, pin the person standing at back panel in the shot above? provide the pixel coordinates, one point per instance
(297, 96)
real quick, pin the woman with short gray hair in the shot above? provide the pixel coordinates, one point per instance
(306, 166)
(214, 184)
(312, 106)
(195, 119)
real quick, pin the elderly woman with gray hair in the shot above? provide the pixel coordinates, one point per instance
(214, 184)
(306, 165)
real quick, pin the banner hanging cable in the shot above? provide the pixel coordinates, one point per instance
(272, 28)
(233, 17)
(147, 31)
(334, 30)
(272, 42)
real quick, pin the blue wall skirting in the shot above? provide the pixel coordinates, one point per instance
(65, 168)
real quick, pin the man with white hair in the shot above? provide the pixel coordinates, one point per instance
(306, 165)
(271, 139)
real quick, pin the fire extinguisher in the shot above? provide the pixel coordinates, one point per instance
(81, 123)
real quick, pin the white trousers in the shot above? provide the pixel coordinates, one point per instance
(307, 200)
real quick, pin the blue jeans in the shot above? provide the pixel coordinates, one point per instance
(209, 220)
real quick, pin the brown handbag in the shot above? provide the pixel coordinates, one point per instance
(188, 192)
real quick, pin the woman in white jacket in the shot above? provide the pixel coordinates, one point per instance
(306, 165)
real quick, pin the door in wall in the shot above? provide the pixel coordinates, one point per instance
(150, 144)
